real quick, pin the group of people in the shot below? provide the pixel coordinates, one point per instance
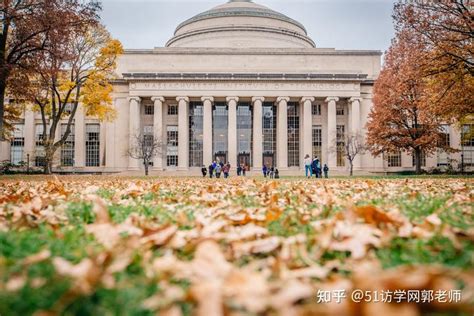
(218, 168)
(271, 173)
(313, 167)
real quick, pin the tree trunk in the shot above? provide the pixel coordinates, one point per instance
(48, 159)
(146, 168)
(2, 103)
(417, 160)
(351, 168)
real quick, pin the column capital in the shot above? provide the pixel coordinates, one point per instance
(286, 99)
(354, 99)
(186, 99)
(329, 99)
(204, 99)
(261, 99)
(130, 99)
(228, 99)
(304, 99)
(160, 99)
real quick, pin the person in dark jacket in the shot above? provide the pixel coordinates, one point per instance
(204, 171)
(316, 167)
(265, 170)
(211, 170)
(326, 170)
(277, 174)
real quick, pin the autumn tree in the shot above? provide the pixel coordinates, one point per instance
(75, 71)
(25, 28)
(446, 31)
(401, 119)
(145, 148)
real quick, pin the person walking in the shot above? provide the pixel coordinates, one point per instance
(211, 170)
(226, 170)
(326, 170)
(265, 171)
(244, 169)
(307, 166)
(277, 174)
(316, 167)
(204, 171)
(218, 170)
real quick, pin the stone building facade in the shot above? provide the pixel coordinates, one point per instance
(239, 83)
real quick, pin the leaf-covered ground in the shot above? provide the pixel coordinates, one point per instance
(116, 246)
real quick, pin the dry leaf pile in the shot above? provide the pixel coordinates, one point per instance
(233, 247)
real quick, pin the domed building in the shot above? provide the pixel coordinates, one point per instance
(239, 83)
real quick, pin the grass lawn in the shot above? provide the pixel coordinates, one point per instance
(244, 246)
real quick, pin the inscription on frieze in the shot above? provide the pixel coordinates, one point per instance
(247, 86)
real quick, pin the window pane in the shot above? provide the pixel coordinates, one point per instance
(67, 150)
(92, 145)
(293, 134)
(195, 134)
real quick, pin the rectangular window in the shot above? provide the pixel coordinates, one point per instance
(394, 159)
(172, 109)
(293, 134)
(445, 141)
(220, 131)
(340, 110)
(467, 141)
(172, 145)
(67, 149)
(316, 109)
(340, 144)
(39, 148)
(149, 110)
(269, 122)
(92, 145)
(244, 134)
(317, 140)
(17, 144)
(195, 134)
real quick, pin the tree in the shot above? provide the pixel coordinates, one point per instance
(76, 70)
(401, 119)
(446, 30)
(353, 146)
(145, 148)
(25, 29)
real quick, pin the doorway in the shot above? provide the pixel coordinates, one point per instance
(244, 160)
(269, 160)
(220, 157)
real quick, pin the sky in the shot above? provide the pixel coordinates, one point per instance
(340, 24)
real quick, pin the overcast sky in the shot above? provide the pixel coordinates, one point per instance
(341, 24)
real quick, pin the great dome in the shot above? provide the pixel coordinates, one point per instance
(241, 24)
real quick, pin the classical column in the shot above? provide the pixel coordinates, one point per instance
(183, 133)
(232, 130)
(30, 130)
(79, 138)
(207, 155)
(331, 132)
(355, 115)
(158, 131)
(307, 126)
(356, 126)
(257, 133)
(282, 133)
(134, 129)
